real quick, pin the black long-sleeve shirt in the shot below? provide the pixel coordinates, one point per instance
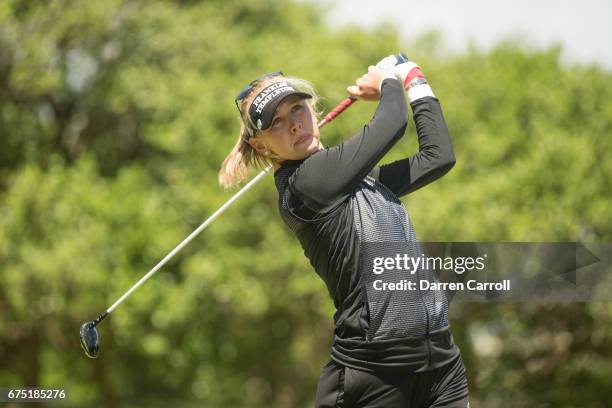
(345, 210)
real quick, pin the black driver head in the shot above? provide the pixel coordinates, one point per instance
(90, 341)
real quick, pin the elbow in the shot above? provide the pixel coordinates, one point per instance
(446, 162)
(450, 160)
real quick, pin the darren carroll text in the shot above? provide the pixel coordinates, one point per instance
(471, 284)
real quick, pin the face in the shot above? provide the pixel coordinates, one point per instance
(293, 135)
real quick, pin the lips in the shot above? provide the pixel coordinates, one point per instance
(302, 139)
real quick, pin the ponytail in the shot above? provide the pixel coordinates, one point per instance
(236, 165)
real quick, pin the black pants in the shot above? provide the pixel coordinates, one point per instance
(345, 387)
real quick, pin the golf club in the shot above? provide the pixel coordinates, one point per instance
(90, 339)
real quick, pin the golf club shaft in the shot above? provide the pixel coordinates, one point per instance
(190, 237)
(337, 111)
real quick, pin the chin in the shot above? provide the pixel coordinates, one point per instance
(314, 146)
(301, 152)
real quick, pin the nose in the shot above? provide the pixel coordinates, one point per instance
(296, 123)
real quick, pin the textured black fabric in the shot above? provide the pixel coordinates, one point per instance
(336, 202)
(330, 390)
(345, 387)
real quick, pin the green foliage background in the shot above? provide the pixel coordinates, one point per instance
(114, 119)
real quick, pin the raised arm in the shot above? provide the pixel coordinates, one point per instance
(327, 177)
(434, 158)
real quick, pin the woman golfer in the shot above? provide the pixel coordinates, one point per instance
(392, 348)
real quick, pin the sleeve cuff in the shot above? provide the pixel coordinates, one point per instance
(419, 91)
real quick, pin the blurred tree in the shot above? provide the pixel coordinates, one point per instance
(114, 118)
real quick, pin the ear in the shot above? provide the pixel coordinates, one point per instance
(258, 145)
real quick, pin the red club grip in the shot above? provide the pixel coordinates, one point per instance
(339, 109)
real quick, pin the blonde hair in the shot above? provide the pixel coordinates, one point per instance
(236, 165)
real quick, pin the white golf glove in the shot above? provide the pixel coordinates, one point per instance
(409, 74)
(386, 64)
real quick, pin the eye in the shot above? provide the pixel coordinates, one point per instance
(276, 121)
(297, 108)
